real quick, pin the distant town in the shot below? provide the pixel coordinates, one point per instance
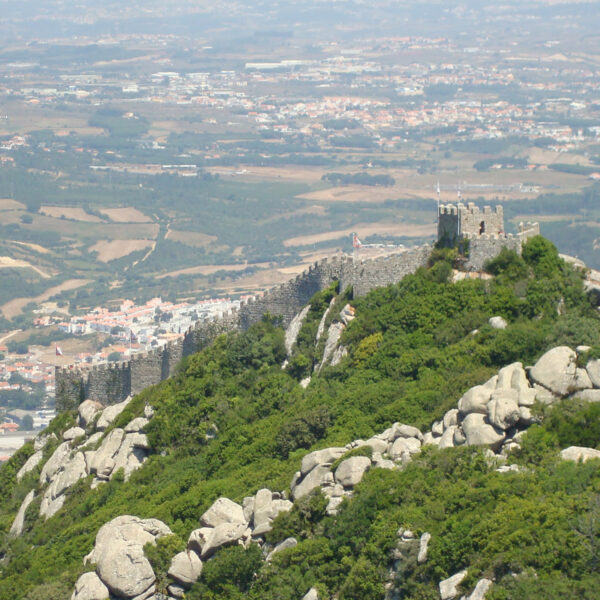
(27, 380)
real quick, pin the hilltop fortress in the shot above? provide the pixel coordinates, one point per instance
(113, 382)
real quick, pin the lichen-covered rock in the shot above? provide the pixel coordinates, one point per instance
(478, 432)
(136, 425)
(481, 589)
(555, 370)
(588, 395)
(206, 540)
(72, 433)
(351, 470)
(497, 323)
(399, 430)
(107, 450)
(293, 329)
(593, 371)
(290, 542)
(527, 396)
(263, 508)
(503, 408)
(475, 400)
(450, 418)
(312, 594)
(459, 437)
(376, 444)
(437, 429)
(119, 555)
(512, 376)
(423, 547)
(55, 462)
(119, 450)
(447, 439)
(582, 380)
(185, 568)
(312, 480)
(223, 510)
(32, 462)
(327, 456)
(429, 438)
(16, 528)
(449, 587)
(90, 587)
(578, 453)
(333, 337)
(42, 440)
(88, 410)
(69, 474)
(110, 413)
(543, 395)
(404, 445)
(176, 591)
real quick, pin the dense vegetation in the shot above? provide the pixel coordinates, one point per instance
(414, 348)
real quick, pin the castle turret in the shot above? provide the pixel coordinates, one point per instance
(458, 222)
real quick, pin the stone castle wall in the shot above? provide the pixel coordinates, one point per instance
(459, 221)
(485, 247)
(112, 383)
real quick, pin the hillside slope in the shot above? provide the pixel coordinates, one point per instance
(233, 422)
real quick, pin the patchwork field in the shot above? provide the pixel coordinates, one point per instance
(15, 307)
(6, 262)
(111, 249)
(69, 212)
(8, 204)
(127, 214)
(364, 229)
(191, 238)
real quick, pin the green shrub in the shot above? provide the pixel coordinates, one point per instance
(229, 574)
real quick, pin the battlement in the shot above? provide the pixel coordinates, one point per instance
(460, 221)
(113, 382)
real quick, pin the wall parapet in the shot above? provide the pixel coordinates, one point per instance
(113, 382)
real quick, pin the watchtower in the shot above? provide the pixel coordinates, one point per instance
(459, 222)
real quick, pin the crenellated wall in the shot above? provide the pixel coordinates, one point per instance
(378, 272)
(485, 247)
(112, 383)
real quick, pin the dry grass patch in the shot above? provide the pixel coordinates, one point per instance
(210, 269)
(352, 193)
(111, 249)
(69, 212)
(126, 214)
(314, 209)
(12, 308)
(547, 157)
(35, 247)
(6, 262)
(364, 230)
(191, 238)
(9, 204)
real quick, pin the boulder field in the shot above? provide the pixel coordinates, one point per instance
(85, 450)
(494, 414)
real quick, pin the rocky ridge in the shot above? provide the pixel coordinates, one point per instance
(494, 414)
(85, 450)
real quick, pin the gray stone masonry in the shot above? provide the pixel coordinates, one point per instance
(456, 222)
(112, 383)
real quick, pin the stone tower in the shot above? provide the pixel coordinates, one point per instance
(459, 222)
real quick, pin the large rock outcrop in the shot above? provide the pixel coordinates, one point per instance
(90, 587)
(16, 528)
(119, 555)
(556, 370)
